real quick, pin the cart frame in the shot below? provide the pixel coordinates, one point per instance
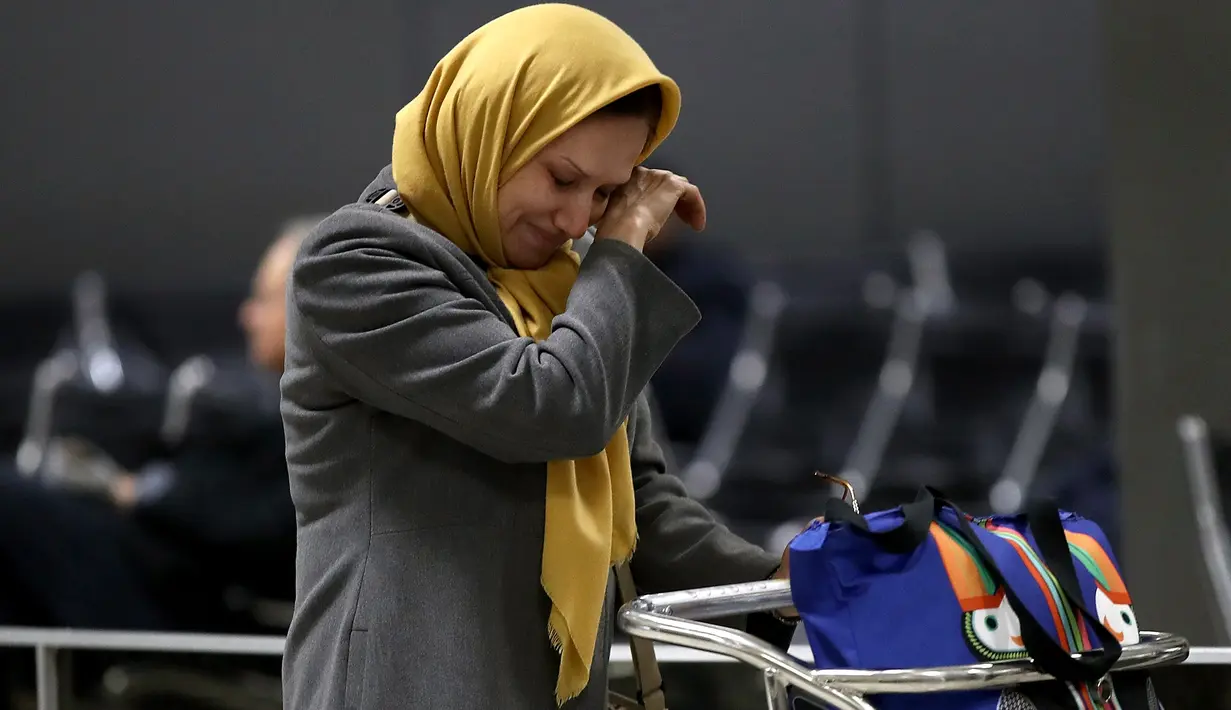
(678, 618)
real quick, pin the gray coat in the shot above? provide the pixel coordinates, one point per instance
(417, 429)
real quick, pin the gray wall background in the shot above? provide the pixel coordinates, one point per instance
(1168, 176)
(163, 142)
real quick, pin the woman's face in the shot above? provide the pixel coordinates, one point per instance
(564, 189)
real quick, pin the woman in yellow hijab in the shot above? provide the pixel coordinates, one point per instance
(468, 444)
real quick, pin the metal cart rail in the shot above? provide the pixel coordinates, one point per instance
(678, 618)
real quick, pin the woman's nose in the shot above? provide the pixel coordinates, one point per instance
(573, 218)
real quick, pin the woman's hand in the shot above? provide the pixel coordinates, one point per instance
(784, 572)
(638, 210)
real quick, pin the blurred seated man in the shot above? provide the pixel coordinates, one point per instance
(688, 384)
(158, 550)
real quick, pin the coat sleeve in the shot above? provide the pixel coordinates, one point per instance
(401, 330)
(681, 545)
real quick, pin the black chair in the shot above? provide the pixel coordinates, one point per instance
(100, 385)
(1055, 378)
(1201, 470)
(749, 371)
(903, 377)
(219, 400)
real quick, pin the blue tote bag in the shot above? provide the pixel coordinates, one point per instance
(925, 585)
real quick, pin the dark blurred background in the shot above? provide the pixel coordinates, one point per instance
(973, 245)
(139, 136)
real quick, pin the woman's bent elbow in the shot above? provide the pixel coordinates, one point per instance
(576, 437)
(580, 437)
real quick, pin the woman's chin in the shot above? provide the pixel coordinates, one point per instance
(530, 259)
(525, 264)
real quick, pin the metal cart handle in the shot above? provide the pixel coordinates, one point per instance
(677, 618)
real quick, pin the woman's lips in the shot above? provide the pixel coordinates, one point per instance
(545, 239)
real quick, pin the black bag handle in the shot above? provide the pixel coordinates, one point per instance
(1043, 517)
(1044, 522)
(1047, 653)
(903, 539)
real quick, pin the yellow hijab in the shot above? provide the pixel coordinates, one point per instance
(491, 104)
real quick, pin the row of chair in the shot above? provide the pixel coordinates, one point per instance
(850, 381)
(860, 391)
(906, 377)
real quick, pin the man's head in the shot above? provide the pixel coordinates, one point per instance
(263, 314)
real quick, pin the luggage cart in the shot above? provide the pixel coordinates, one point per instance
(678, 618)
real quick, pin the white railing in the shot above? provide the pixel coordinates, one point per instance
(49, 644)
